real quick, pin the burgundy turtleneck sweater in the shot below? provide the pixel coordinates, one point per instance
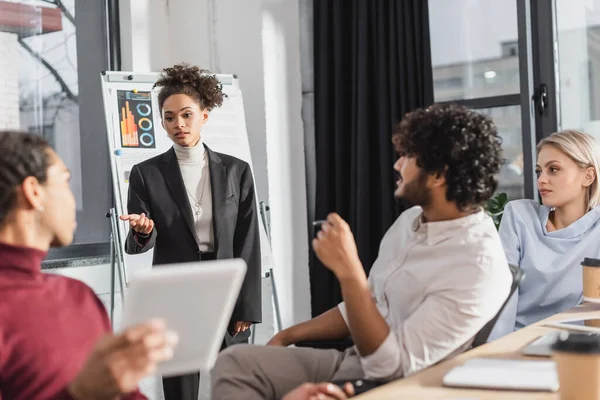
(49, 325)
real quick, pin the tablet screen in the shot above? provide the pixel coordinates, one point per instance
(196, 300)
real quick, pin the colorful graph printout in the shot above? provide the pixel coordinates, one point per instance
(135, 119)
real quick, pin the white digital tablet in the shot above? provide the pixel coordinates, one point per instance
(196, 300)
(504, 374)
(589, 324)
(542, 346)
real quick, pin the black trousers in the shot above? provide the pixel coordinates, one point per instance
(183, 387)
(186, 387)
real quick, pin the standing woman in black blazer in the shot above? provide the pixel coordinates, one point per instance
(192, 204)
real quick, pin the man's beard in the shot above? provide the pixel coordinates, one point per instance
(416, 193)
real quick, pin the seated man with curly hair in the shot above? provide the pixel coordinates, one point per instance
(440, 275)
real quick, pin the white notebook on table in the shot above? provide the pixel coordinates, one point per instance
(488, 373)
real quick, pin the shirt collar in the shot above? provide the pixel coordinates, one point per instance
(436, 232)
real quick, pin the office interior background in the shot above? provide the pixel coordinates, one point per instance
(532, 65)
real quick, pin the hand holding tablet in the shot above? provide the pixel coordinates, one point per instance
(195, 300)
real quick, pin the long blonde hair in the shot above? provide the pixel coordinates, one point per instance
(583, 149)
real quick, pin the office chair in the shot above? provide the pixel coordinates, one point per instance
(517, 278)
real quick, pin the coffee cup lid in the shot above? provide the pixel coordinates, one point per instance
(571, 342)
(590, 262)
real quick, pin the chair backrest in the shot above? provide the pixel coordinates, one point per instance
(517, 277)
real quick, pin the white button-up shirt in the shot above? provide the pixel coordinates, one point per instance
(436, 284)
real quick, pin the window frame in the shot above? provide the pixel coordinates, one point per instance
(112, 60)
(537, 67)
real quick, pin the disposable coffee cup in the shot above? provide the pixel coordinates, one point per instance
(577, 357)
(592, 322)
(591, 280)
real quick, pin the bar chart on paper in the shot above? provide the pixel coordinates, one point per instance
(136, 120)
(129, 133)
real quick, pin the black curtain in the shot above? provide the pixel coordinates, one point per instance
(372, 65)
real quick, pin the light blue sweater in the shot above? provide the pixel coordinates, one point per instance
(551, 261)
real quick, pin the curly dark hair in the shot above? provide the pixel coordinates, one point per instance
(21, 155)
(461, 144)
(197, 83)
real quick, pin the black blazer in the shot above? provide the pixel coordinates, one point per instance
(156, 188)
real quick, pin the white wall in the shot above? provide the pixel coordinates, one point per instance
(259, 41)
(236, 45)
(285, 149)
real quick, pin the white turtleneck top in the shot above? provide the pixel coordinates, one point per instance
(193, 162)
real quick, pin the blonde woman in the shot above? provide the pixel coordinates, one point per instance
(549, 241)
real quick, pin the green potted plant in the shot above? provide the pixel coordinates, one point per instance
(495, 207)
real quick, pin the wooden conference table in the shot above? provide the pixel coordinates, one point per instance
(427, 384)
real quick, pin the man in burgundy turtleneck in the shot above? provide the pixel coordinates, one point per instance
(48, 326)
(55, 340)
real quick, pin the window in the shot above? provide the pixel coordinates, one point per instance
(46, 131)
(52, 53)
(478, 51)
(508, 122)
(448, 83)
(474, 41)
(578, 37)
(510, 48)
